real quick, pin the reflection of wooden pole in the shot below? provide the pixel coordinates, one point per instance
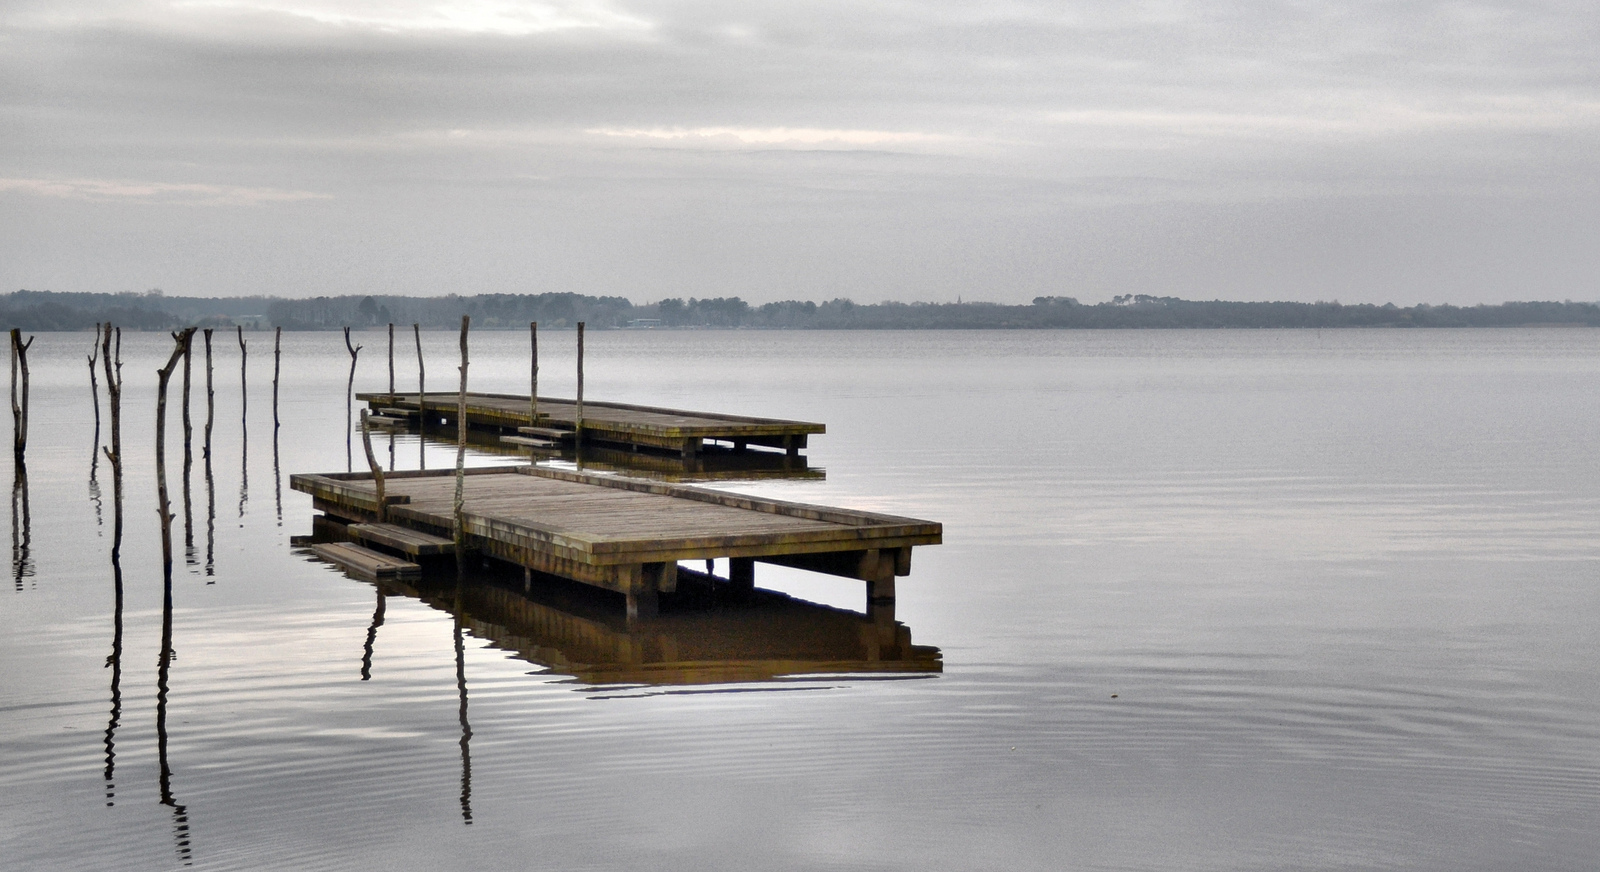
(277, 354)
(19, 411)
(163, 375)
(461, 451)
(577, 437)
(377, 470)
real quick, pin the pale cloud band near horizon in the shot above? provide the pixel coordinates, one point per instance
(1367, 151)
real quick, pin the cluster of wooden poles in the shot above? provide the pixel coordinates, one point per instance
(107, 356)
(457, 527)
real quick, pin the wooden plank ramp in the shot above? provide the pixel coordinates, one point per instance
(649, 427)
(403, 539)
(628, 535)
(366, 563)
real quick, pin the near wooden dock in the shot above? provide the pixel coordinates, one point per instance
(646, 427)
(627, 535)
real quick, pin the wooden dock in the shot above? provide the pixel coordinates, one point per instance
(647, 427)
(713, 463)
(628, 535)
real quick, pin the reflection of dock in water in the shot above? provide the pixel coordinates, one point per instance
(703, 635)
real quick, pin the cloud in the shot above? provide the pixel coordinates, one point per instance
(774, 136)
(113, 190)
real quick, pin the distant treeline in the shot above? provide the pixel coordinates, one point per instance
(46, 310)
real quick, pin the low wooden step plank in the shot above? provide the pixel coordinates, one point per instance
(529, 441)
(365, 562)
(386, 421)
(404, 539)
(397, 412)
(546, 432)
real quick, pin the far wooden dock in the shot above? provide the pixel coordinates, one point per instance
(649, 427)
(628, 535)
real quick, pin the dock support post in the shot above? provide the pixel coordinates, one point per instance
(643, 603)
(742, 574)
(791, 445)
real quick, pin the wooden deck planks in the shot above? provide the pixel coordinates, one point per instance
(365, 562)
(599, 520)
(647, 425)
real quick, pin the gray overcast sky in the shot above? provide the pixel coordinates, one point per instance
(1361, 151)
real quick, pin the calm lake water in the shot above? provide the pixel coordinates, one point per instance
(1207, 600)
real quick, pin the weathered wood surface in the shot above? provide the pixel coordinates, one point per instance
(673, 429)
(403, 539)
(620, 533)
(365, 562)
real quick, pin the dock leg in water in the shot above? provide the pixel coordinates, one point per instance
(742, 575)
(643, 603)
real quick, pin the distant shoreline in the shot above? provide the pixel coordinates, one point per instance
(52, 311)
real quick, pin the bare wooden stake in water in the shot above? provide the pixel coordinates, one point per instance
(163, 376)
(577, 437)
(422, 403)
(94, 383)
(188, 448)
(277, 355)
(377, 469)
(188, 429)
(461, 452)
(349, 397)
(19, 411)
(244, 385)
(114, 450)
(533, 379)
(391, 363)
(211, 400)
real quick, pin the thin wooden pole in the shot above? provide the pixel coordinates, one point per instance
(349, 397)
(461, 452)
(421, 400)
(244, 385)
(114, 450)
(533, 380)
(277, 354)
(188, 428)
(94, 383)
(163, 376)
(391, 363)
(19, 411)
(377, 469)
(188, 448)
(577, 438)
(211, 400)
